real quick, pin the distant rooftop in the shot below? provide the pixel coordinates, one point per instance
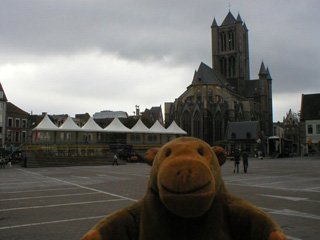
(110, 114)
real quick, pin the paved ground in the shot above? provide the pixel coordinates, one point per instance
(64, 203)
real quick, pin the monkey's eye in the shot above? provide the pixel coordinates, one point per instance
(168, 152)
(200, 151)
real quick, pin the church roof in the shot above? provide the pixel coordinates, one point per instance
(209, 76)
(310, 107)
(229, 19)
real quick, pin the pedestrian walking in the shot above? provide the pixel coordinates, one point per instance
(245, 161)
(236, 161)
(2, 163)
(115, 159)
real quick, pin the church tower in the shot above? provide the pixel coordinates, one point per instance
(230, 51)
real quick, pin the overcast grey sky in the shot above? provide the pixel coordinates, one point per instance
(78, 56)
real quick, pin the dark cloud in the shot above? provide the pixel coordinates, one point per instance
(167, 34)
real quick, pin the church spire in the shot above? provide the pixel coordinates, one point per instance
(214, 23)
(269, 75)
(239, 18)
(262, 71)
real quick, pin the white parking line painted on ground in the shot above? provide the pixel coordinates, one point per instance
(52, 222)
(295, 199)
(273, 187)
(60, 205)
(44, 190)
(24, 182)
(289, 212)
(293, 238)
(80, 186)
(49, 196)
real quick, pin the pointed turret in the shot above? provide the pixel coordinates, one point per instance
(239, 18)
(269, 75)
(262, 71)
(214, 23)
(245, 26)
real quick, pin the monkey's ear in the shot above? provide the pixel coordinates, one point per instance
(150, 154)
(221, 154)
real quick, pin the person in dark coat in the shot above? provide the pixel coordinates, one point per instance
(245, 161)
(236, 161)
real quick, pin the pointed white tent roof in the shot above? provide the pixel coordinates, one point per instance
(157, 128)
(139, 127)
(46, 125)
(91, 126)
(116, 126)
(175, 129)
(69, 125)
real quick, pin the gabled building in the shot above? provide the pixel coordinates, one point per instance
(224, 92)
(16, 125)
(152, 115)
(310, 123)
(291, 126)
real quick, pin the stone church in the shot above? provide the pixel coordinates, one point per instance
(224, 92)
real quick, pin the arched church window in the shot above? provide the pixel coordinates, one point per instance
(231, 40)
(218, 125)
(196, 125)
(232, 66)
(223, 42)
(223, 63)
(186, 122)
(210, 95)
(199, 95)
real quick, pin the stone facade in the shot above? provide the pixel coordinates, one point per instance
(224, 93)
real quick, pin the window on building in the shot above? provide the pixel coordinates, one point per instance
(17, 122)
(1, 106)
(24, 123)
(310, 129)
(10, 122)
(24, 136)
(1, 94)
(318, 128)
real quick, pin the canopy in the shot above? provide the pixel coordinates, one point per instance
(139, 127)
(175, 129)
(46, 125)
(91, 126)
(69, 125)
(116, 126)
(157, 128)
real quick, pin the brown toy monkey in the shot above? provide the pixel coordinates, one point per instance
(187, 199)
